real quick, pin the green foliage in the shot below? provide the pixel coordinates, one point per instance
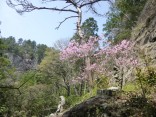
(150, 77)
(29, 77)
(32, 98)
(147, 76)
(122, 17)
(102, 82)
(140, 76)
(38, 98)
(26, 49)
(11, 43)
(19, 114)
(41, 48)
(78, 66)
(122, 35)
(14, 101)
(74, 99)
(5, 68)
(89, 28)
(56, 72)
(49, 65)
(130, 87)
(87, 95)
(3, 109)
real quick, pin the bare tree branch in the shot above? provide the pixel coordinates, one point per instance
(73, 6)
(11, 87)
(17, 88)
(8, 87)
(54, 9)
(28, 7)
(66, 7)
(64, 21)
(45, 1)
(91, 2)
(92, 8)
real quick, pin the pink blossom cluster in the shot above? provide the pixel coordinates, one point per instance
(70, 51)
(79, 79)
(122, 47)
(75, 50)
(92, 67)
(120, 55)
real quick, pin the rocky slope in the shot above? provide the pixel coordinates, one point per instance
(144, 33)
(22, 63)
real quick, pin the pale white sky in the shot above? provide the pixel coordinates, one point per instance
(40, 25)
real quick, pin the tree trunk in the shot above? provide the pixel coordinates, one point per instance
(79, 31)
(81, 88)
(89, 74)
(68, 90)
(75, 90)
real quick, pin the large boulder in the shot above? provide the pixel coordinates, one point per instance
(108, 106)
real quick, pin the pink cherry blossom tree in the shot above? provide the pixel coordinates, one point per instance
(108, 58)
(118, 58)
(86, 50)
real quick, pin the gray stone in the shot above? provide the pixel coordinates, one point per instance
(144, 33)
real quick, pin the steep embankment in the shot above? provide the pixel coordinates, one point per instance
(144, 33)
